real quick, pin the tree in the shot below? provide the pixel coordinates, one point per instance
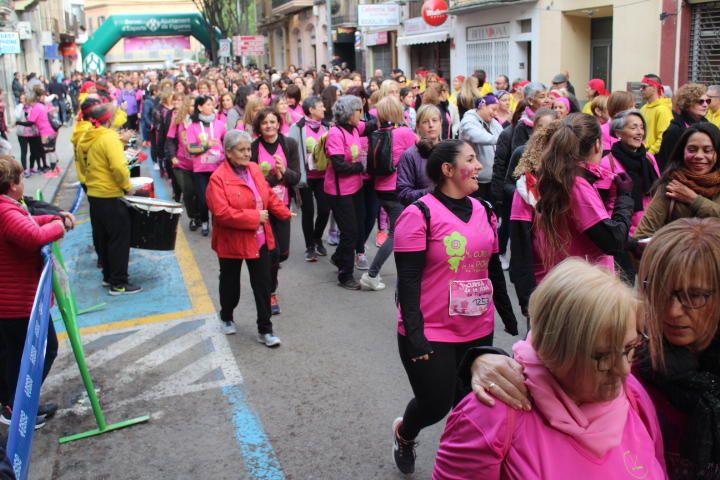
(223, 15)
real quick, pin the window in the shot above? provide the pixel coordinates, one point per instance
(488, 49)
(525, 26)
(704, 61)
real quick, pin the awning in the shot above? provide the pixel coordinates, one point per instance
(432, 37)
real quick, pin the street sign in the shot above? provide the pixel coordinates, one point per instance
(9, 43)
(224, 47)
(249, 45)
(379, 15)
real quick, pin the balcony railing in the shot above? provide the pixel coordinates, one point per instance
(284, 7)
(350, 18)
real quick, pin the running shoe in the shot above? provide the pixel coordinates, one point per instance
(6, 417)
(403, 450)
(274, 304)
(505, 261)
(333, 237)
(106, 284)
(320, 249)
(349, 284)
(372, 283)
(47, 410)
(126, 289)
(310, 255)
(228, 328)
(205, 229)
(361, 262)
(381, 238)
(193, 225)
(269, 340)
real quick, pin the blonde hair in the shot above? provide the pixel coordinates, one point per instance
(599, 103)
(253, 106)
(385, 87)
(682, 255)
(688, 94)
(374, 99)
(576, 304)
(389, 109)
(532, 156)
(426, 111)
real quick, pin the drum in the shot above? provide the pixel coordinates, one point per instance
(153, 222)
(143, 186)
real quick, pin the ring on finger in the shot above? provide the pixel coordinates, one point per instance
(491, 386)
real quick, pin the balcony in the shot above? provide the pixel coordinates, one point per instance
(347, 20)
(286, 7)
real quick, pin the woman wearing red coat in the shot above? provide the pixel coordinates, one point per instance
(241, 202)
(21, 238)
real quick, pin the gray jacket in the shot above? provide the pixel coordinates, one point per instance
(297, 133)
(483, 136)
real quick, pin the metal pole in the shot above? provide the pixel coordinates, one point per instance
(328, 14)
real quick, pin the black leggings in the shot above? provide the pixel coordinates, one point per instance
(37, 153)
(313, 227)
(12, 343)
(259, 270)
(349, 213)
(110, 220)
(24, 147)
(281, 229)
(434, 382)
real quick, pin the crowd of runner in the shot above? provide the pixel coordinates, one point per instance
(605, 215)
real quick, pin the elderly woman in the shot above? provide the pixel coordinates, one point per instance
(344, 183)
(241, 202)
(690, 186)
(691, 103)
(536, 97)
(589, 411)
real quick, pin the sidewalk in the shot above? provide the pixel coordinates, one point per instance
(48, 185)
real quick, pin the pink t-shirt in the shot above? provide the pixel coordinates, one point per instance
(185, 161)
(498, 442)
(607, 140)
(268, 163)
(587, 209)
(403, 138)
(341, 142)
(39, 116)
(311, 139)
(456, 296)
(297, 113)
(198, 134)
(613, 165)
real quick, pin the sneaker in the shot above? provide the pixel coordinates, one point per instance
(274, 304)
(6, 417)
(361, 262)
(269, 340)
(310, 255)
(372, 283)
(105, 284)
(228, 328)
(205, 229)
(47, 410)
(334, 261)
(505, 261)
(333, 237)
(126, 289)
(27, 174)
(193, 225)
(403, 450)
(320, 249)
(381, 238)
(349, 284)
(156, 167)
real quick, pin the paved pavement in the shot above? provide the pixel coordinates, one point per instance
(319, 407)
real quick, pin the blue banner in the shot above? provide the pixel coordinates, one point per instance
(27, 394)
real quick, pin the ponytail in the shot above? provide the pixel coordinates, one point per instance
(446, 151)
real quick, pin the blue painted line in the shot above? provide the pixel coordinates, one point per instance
(78, 200)
(258, 454)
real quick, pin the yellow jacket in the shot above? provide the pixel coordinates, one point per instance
(587, 108)
(486, 88)
(106, 170)
(120, 118)
(81, 127)
(713, 117)
(658, 115)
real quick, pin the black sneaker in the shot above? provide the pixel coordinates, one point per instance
(205, 229)
(310, 255)
(193, 225)
(126, 289)
(6, 417)
(349, 284)
(320, 249)
(403, 450)
(47, 410)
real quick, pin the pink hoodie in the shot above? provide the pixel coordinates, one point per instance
(558, 439)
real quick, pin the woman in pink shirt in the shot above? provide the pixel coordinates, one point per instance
(449, 283)
(592, 419)
(176, 148)
(38, 116)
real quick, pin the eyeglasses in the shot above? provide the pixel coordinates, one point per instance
(703, 101)
(604, 361)
(415, 87)
(693, 299)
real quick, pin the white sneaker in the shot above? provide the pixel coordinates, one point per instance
(505, 261)
(376, 284)
(361, 262)
(228, 328)
(269, 340)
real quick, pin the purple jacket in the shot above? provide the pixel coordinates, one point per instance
(131, 99)
(412, 180)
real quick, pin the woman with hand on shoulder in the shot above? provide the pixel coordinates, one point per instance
(412, 179)
(241, 202)
(449, 282)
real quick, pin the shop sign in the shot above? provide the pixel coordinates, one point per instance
(488, 32)
(9, 43)
(68, 49)
(248, 45)
(52, 52)
(24, 29)
(379, 15)
(435, 12)
(417, 26)
(378, 38)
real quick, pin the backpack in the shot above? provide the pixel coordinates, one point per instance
(54, 122)
(320, 155)
(379, 157)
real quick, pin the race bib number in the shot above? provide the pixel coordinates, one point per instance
(282, 193)
(211, 157)
(470, 298)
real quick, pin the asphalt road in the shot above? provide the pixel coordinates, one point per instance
(319, 407)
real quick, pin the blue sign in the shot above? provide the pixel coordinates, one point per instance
(52, 52)
(27, 393)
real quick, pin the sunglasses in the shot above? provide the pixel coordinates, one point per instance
(703, 101)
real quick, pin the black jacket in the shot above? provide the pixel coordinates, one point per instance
(671, 137)
(292, 172)
(500, 164)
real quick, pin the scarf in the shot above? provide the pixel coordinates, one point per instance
(707, 185)
(528, 117)
(691, 383)
(206, 118)
(637, 165)
(314, 124)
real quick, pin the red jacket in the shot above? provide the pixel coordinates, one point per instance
(20, 262)
(235, 214)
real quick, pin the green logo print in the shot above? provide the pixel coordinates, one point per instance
(354, 151)
(455, 245)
